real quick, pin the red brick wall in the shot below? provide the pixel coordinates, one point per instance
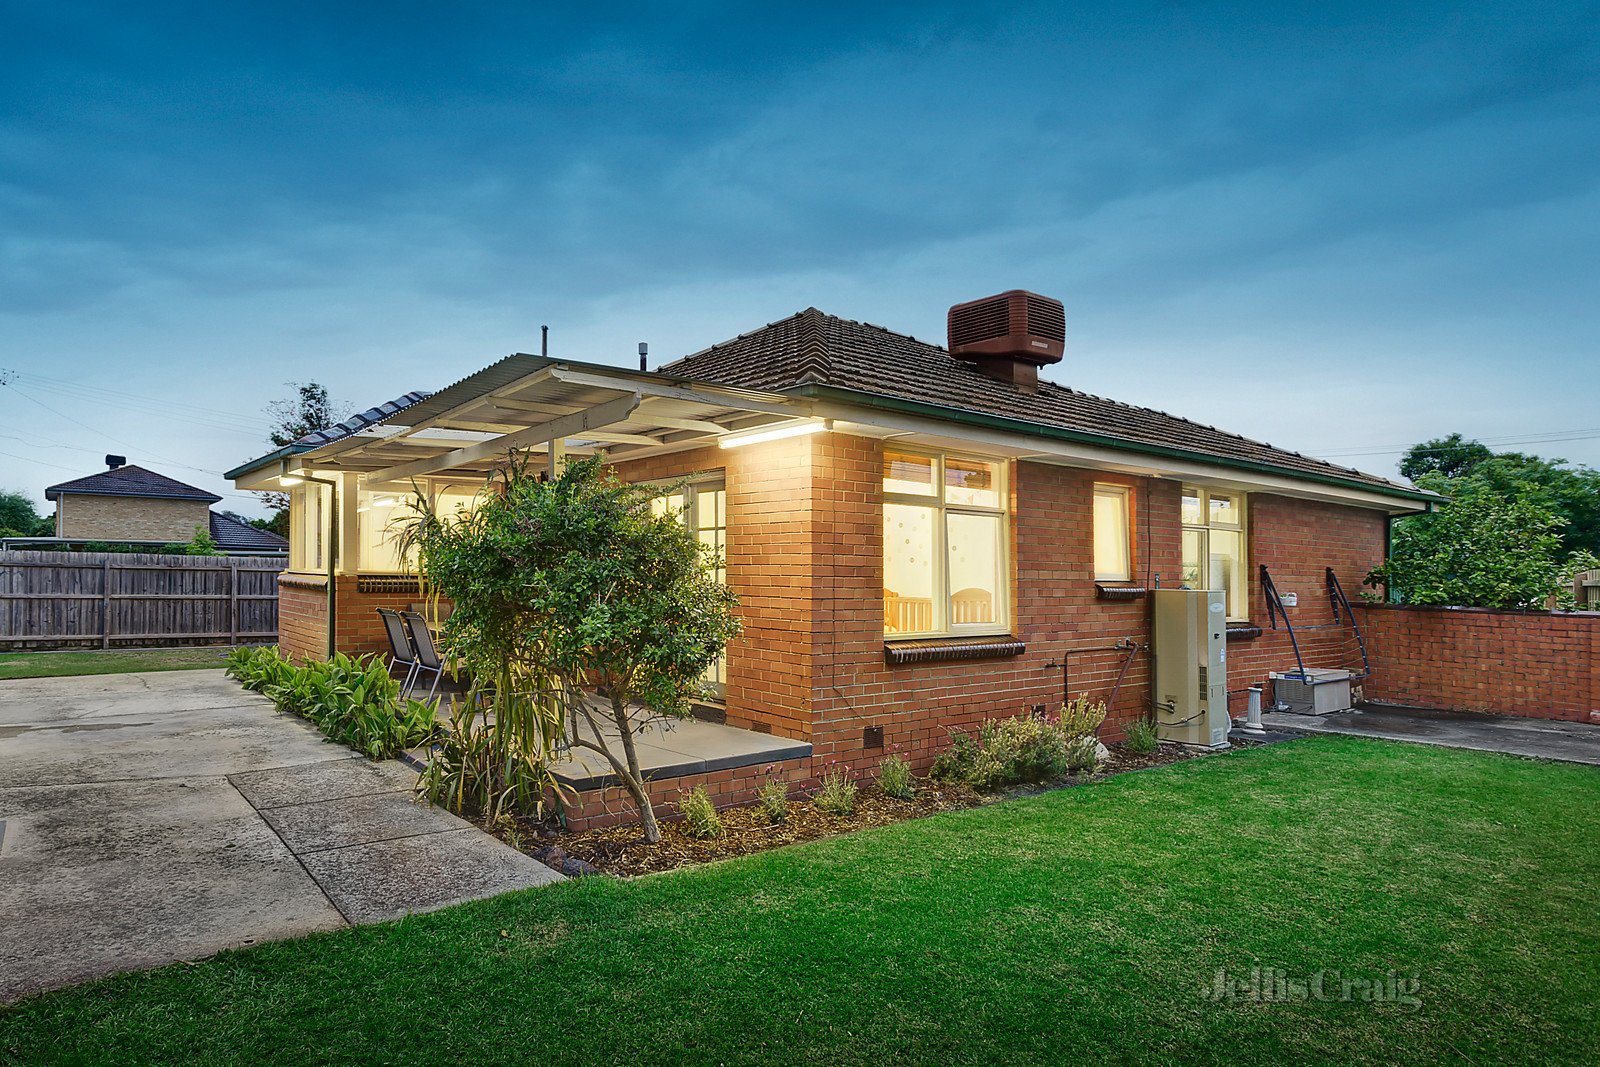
(303, 611)
(302, 616)
(1298, 540)
(1535, 664)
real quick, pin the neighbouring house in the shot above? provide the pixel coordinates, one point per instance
(921, 536)
(129, 505)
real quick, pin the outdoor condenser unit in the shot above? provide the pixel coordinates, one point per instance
(1191, 673)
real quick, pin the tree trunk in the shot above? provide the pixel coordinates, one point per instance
(634, 779)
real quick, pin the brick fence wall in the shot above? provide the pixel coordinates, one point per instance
(1536, 664)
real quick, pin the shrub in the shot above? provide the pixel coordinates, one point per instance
(773, 800)
(700, 818)
(353, 700)
(1141, 737)
(894, 778)
(1024, 749)
(477, 769)
(837, 794)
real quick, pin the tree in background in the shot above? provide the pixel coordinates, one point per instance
(1515, 528)
(310, 409)
(19, 518)
(201, 544)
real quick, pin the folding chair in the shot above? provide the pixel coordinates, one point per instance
(402, 653)
(427, 654)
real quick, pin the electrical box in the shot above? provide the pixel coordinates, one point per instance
(1314, 691)
(1191, 670)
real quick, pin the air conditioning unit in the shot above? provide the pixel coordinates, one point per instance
(1191, 671)
(1010, 335)
(1313, 691)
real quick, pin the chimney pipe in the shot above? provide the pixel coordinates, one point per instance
(544, 341)
(644, 356)
(113, 462)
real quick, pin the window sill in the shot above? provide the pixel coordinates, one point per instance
(945, 649)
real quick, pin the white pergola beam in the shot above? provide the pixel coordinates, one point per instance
(574, 425)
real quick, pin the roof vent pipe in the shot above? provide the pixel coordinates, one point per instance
(113, 462)
(644, 356)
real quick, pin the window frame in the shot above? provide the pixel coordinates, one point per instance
(937, 503)
(1237, 612)
(304, 536)
(691, 516)
(1125, 494)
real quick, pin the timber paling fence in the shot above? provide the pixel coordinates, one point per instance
(54, 600)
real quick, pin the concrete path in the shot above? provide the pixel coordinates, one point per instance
(147, 818)
(1570, 742)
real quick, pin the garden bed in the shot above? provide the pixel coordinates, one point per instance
(620, 850)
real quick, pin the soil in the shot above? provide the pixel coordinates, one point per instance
(620, 850)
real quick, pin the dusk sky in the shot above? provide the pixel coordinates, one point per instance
(1341, 231)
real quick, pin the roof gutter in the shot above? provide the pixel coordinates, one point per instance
(261, 461)
(986, 421)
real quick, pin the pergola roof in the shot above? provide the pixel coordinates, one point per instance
(526, 402)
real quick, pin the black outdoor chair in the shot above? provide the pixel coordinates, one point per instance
(427, 655)
(402, 653)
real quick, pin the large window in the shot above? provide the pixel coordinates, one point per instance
(1112, 557)
(1214, 545)
(308, 526)
(703, 508)
(944, 545)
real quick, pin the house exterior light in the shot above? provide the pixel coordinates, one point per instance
(777, 433)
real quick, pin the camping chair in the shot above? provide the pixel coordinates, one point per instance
(402, 653)
(427, 654)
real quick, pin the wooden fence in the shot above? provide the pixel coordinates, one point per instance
(110, 599)
(1586, 590)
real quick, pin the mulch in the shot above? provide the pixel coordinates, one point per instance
(621, 850)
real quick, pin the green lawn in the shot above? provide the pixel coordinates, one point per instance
(114, 661)
(1075, 927)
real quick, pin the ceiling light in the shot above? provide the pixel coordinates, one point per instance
(289, 479)
(776, 433)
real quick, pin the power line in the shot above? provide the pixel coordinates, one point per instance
(59, 414)
(1553, 437)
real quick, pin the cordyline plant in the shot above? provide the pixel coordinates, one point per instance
(577, 611)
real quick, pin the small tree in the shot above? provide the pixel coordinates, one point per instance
(575, 584)
(310, 409)
(201, 544)
(1479, 550)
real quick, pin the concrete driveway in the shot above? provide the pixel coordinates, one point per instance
(1571, 742)
(147, 818)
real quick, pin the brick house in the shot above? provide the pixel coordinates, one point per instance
(127, 504)
(920, 536)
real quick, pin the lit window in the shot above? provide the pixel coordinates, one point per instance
(308, 527)
(1111, 555)
(1213, 545)
(944, 545)
(703, 508)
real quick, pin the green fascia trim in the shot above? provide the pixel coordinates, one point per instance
(1036, 429)
(271, 457)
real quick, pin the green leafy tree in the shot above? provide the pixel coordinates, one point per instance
(19, 518)
(308, 410)
(201, 544)
(1482, 549)
(1451, 456)
(574, 589)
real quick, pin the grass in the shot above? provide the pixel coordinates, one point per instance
(1078, 926)
(114, 661)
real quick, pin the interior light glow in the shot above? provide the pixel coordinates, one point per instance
(776, 433)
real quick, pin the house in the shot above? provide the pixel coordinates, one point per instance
(920, 535)
(128, 504)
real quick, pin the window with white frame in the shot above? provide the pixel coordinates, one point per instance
(379, 518)
(703, 508)
(1113, 558)
(1214, 545)
(944, 545)
(308, 526)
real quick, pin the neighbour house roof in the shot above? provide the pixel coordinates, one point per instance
(130, 480)
(821, 353)
(231, 535)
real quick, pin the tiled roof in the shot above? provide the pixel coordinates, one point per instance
(131, 481)
(231, 535)
(815, 348)
(357, 423)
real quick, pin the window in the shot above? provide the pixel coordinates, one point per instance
(703, 508)
(944, 545)
(1111, 556)
(379, 517)
(1213, 545)
(308, 527)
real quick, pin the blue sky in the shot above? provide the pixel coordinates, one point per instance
(1339, 230)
